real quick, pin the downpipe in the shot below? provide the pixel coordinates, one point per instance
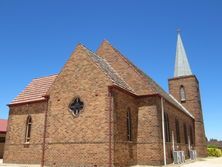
(44, 135)
(110, 125)
(163, 131)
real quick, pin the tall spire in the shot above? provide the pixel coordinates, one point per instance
(182, 67)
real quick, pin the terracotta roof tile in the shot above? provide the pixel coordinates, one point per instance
(35, 90)
(3, 125)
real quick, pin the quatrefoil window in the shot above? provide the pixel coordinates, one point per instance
(76, 106)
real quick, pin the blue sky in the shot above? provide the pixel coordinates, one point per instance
(37, 37)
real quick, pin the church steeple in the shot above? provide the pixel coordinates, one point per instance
(182, 67)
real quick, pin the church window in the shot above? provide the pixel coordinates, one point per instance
(182, 94)
(129, 126)
(185, 133)
(167, 127)
(191, 135)
(76, 106)
(177, 130)
(2, 139)
(28, 129)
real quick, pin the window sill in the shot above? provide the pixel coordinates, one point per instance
(26, 145)
(183, 100)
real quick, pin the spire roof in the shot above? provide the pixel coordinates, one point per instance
(182, 67)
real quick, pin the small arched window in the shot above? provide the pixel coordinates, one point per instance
(177, 130)
(167, 127)
(28, 129)
(129, 125)
(182, 94)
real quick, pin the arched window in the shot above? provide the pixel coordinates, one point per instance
(185, 133)
(177, 130)
(191, 135)
(28, 129)
(182, 94)
(167, 127)
(129, 125)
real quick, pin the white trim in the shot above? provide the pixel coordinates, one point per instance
(163, 132)
(184, 109)
(173, 142)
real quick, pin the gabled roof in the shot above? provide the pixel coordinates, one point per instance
(39, 87)
(35, 90)
(3, 125)
(108, 70)
(149, 81)
(127, 70)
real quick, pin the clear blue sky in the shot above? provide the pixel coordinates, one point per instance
(37, 37)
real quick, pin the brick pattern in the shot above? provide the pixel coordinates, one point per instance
(149, 148)
(85, 140)
(2, 144)
(174, 114)
(16, 151)
(193, 104)
(125, 152)
(125, 69)
(146, 148)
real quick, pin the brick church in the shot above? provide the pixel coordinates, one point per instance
(101, 110)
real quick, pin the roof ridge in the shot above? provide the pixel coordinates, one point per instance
(144, 76)
(134, 67)
(51, 75)
(113, 70)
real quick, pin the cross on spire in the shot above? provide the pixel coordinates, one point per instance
(178, 30)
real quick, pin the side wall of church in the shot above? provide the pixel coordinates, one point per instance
(149, 146)
(125, 151)
(16, 151)
(173, 114)
(82, 140)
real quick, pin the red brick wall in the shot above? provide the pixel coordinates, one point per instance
(125, 152)
(124, 69)
(149, 139)
(84, 140)
(16, 151)
(174, 114)
(193, 104)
